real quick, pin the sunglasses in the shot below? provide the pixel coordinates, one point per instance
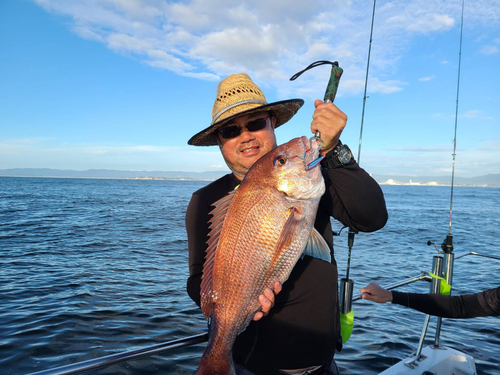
(233, 131)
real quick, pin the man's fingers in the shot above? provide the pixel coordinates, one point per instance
(367, 292)
(277, 287)
(258, 315)
(266, 306)
(267, 300)
(367, 296)
(269, 294)
(330, 121)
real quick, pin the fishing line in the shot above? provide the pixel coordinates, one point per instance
(366, 83)
(456, 118)
(350, 240)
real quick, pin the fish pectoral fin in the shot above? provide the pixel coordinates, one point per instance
(317, 247)
(286, 236)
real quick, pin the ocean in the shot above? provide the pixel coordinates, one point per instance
(93, 267)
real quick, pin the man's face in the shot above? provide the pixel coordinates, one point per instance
(242, 151)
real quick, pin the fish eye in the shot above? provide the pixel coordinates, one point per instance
(280, 161)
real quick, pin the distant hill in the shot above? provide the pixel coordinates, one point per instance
(486, 180)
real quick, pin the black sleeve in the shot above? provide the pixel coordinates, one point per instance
(490, 301)
(356, 198)
(197, 233)
(466, 306)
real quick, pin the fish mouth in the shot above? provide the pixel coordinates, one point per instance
(314, 152)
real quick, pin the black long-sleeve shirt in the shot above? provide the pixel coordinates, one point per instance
(303, 327)
(485, 303)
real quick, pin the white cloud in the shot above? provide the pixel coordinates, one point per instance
(477, 114)
(270, 40)
(427, 79)
(490, 145)
(490, 50)
(385, 87)
(431, 22)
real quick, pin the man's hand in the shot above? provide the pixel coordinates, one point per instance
(376, 293)
(267, 300)
(330, 122)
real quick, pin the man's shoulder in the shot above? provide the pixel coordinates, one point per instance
(218, 187)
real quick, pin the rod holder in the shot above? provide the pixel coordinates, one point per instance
(449, 260)
(447, 273)
(346, 289)
(437, 269)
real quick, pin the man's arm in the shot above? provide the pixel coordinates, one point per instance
(358, 200)
(466, 306)
(486, 303)
(353, 197)
(197, 233)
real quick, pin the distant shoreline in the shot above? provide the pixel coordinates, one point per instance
(385, 183)
(115, 178)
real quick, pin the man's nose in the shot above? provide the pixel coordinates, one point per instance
(246, 135)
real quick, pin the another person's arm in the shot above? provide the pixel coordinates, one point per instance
(485, 303)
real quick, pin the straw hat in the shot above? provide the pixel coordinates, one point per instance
(238, 95)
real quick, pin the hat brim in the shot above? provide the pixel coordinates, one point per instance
(283, 111)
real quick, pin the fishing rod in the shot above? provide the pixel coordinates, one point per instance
(346, 284)
(447, 245)
(92, 364)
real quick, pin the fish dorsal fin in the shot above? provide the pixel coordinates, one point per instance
(317, 247)
(216, 222)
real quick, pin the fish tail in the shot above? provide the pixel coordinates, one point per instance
(216, 365)
(217, 358)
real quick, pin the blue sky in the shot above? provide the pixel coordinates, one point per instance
(123, 84)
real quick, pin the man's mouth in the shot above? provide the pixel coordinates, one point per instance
(249, 149)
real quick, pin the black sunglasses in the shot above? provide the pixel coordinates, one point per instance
(233, 131)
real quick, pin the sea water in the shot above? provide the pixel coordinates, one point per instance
(93, 267)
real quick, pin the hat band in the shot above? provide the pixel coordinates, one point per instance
(249, 101)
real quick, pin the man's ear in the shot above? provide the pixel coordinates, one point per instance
(273, 121)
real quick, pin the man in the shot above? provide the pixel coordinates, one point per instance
(300, 333)
(485, 303)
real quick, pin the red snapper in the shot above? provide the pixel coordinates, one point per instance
(258, 233)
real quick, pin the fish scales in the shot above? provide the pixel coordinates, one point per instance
(245, 269)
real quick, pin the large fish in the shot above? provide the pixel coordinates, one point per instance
(258, 233)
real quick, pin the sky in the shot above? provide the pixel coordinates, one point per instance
(123, 84)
